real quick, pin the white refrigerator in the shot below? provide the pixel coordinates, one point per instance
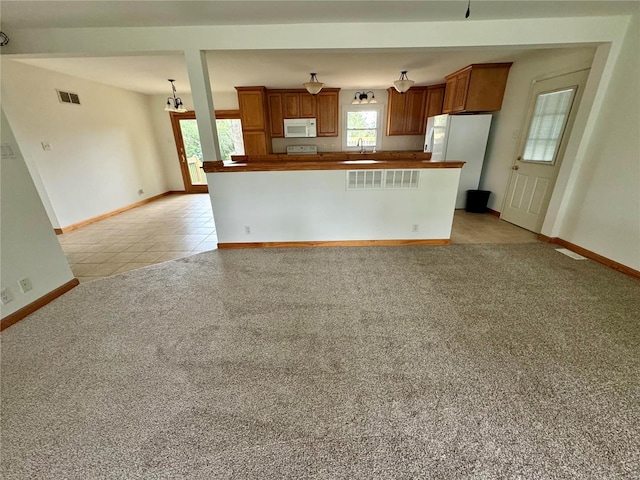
(464, 138)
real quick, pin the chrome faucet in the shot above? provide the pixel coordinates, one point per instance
(361, 145)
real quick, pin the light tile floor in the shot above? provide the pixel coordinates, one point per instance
(176, 226)
(172, 227)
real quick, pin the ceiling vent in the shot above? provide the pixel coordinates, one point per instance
(68, 97)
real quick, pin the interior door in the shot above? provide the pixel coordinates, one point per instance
(185, 131)
(550, 115)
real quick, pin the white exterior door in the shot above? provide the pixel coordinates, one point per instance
(551, 111)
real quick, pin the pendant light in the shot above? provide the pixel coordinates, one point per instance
(313, 86)
(403, 83)
(174, 104)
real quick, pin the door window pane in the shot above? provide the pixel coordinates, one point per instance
(547, 125)
(230, 138)
(193, 151)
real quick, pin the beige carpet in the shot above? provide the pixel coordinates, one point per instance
(467, 361)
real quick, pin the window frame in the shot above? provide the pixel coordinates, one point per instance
(379, 124)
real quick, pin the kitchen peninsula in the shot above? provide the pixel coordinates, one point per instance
(384, 198)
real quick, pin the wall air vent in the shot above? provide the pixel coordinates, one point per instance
(401, 179)
(68, 97)
(364, 179)
(379, 179)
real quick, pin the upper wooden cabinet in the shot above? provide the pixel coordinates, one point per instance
(256, 131)
(276, 114)
(476, 88)
(407, 112)
(327, 112)
(298, 103)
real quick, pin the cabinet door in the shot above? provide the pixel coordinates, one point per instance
(252, 111)
(415, 122)
(462, 86)
(434, 102)
(255, 143)
(291, 105)
(307, 105)
(275, 114)
(396, 112)
(449, 95)
(327, 114)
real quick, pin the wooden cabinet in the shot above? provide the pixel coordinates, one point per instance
(407, 112)
(327, 112)
(256, 131)
(276, 114)
(298, 103)
(476, 88)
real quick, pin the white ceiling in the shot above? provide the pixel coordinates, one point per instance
(276, 69)
(371, 69)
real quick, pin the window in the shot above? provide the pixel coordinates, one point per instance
(547, 125)
(362, 125)
(229, 129)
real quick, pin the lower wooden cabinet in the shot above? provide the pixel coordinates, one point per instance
(256, 142)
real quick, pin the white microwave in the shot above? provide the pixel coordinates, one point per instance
(300, 127)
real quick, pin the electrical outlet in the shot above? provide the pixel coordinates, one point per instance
(247, 230)
(6, 296)
(140, 192)
(414, 228)
(25, 284)
(46, 146)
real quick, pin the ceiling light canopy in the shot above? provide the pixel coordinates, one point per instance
(403, 83)
(363, 97)
(313, 86)
(174, 104)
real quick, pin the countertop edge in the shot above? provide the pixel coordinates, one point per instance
(284, 166)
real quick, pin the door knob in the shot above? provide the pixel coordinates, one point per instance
(515, 167)
(519, 157)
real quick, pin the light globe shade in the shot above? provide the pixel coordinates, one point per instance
(313, 86)
(403, 83)
(373, 100)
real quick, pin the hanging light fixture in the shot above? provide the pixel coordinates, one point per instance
(363, 97)
(174, 104)
(313, 86)
(403, 83)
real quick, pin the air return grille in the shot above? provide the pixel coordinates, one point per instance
(379, 179)
(68, 97)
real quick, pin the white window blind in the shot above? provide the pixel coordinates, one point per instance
(547, 125)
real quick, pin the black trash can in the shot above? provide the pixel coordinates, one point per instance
(477, 201)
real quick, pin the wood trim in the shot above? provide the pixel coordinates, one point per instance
(607, 262)
(74, 226)
(18, 315)
(545, 239)
(227, 114)
(495, 213)
(335, 243)
(218, 167)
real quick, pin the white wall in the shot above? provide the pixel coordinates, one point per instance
(604, 210)
(102, 151)
(29, 246)
(507, 124)
(315, 206)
